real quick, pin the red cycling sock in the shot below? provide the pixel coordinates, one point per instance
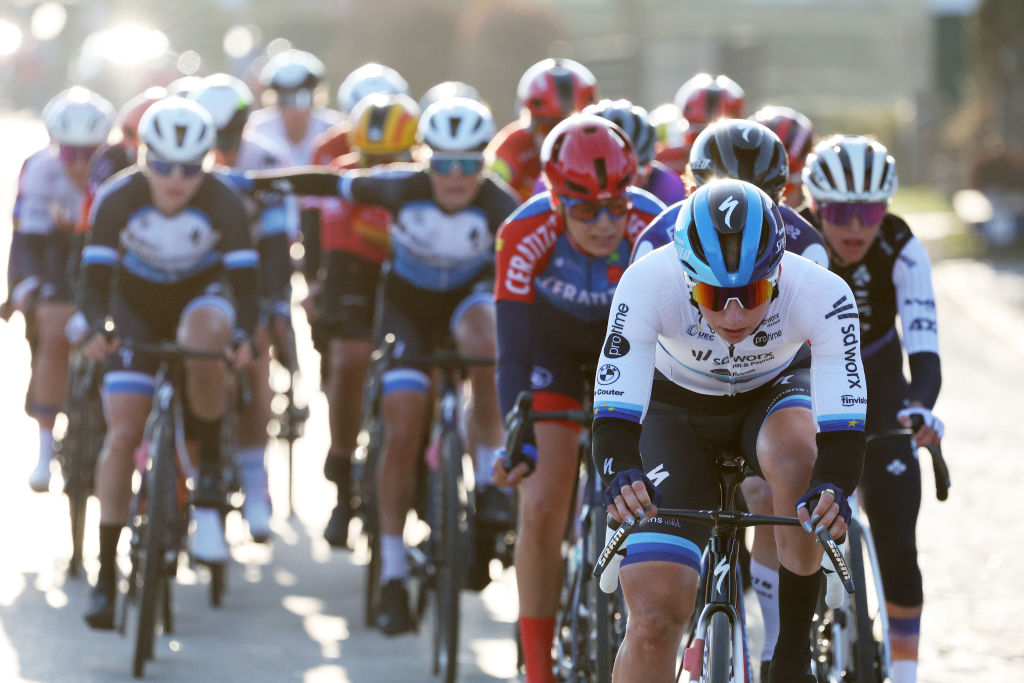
(537, 635)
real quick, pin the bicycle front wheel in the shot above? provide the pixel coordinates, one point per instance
(162, 493)
(718, 649)
(450, 558)
(869, 612)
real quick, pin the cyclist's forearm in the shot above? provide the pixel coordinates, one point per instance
(925, 378)
(27, 253)
(840, 459)
(515, 350)
(243, 287)
(275, 266)
(303, 180)
(94, 297)
(616, 447)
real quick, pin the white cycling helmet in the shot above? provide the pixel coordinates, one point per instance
(850, 168)
(292, 70)
(228, 99)
(457, 124)
(369, 78)
(78, 117)
(177, 130)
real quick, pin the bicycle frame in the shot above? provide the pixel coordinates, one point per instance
(722, 591)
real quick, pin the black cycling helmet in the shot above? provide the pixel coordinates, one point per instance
(743, 150)
(633, 120)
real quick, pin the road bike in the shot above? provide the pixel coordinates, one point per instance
(159, 511)
(591, 623)
(78, 448)
(717, 651)
(438, 564)
(850, 639)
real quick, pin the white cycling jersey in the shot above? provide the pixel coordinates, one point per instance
(268, 123)
(653, 324)
(46, 195)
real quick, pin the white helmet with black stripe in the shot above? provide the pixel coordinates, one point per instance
(850, 168)
(177, 130)
(457, 124)
(78, 117)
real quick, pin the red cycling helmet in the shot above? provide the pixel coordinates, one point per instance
(132, 111)
(704, 99)
(552, 89)
(795, 131)
(587, 157)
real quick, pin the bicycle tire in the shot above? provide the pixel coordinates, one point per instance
(161, 494)
(371, 521)
(79, 451)
(718, 649)
(606, 640)
(454, 539)
(867, 650)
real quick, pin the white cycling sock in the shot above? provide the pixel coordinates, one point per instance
(766, 584)
(483, 464)
(904, 671)
(254, 472)
(45, 444)
(393, 564)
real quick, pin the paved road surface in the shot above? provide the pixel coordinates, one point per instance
(293, 612)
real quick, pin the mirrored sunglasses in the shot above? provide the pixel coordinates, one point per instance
(748, 296)
(466, 165)
(166, 168)
(72, 153)
(870, 213)
(589, 210)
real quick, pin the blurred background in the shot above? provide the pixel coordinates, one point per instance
(940, 82)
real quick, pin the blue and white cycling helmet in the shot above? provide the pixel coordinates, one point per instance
(729, 234)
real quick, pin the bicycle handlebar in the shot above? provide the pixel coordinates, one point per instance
(739, 519)
(939, 467)
(522, 415)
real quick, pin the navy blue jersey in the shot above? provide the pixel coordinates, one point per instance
(153, 253)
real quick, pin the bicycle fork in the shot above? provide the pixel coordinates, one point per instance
(721, 593)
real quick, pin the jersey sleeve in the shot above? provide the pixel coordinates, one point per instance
(239, 257)
(658, 233)
(828, 313)
(915, 301)
(101, 254)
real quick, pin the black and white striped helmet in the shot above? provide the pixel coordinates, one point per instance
(850, 168)
(177, 130)
(457, 124)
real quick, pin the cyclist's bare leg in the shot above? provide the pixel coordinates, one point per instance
(126, 420)
(48, 381)
(659, 598)
(50, 360)
(764, 562)
(404, 416)
(349, 363)
(786, 450)
(253, 418)
(205, 328)
(252, 438)
(543, 511)
(476, 335)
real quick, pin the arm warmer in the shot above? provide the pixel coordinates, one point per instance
(616, 447)
(840, 459)
(243, 287)
(925, 378)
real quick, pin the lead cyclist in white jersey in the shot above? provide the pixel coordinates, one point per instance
(707, 348)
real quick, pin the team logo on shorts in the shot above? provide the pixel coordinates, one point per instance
(608, 374)
(540, 378)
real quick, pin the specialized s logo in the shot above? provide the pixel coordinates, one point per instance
(842, 310)
(727, 208)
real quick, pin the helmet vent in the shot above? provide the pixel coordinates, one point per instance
(453, 125)
(602, 172)
(179, 133)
